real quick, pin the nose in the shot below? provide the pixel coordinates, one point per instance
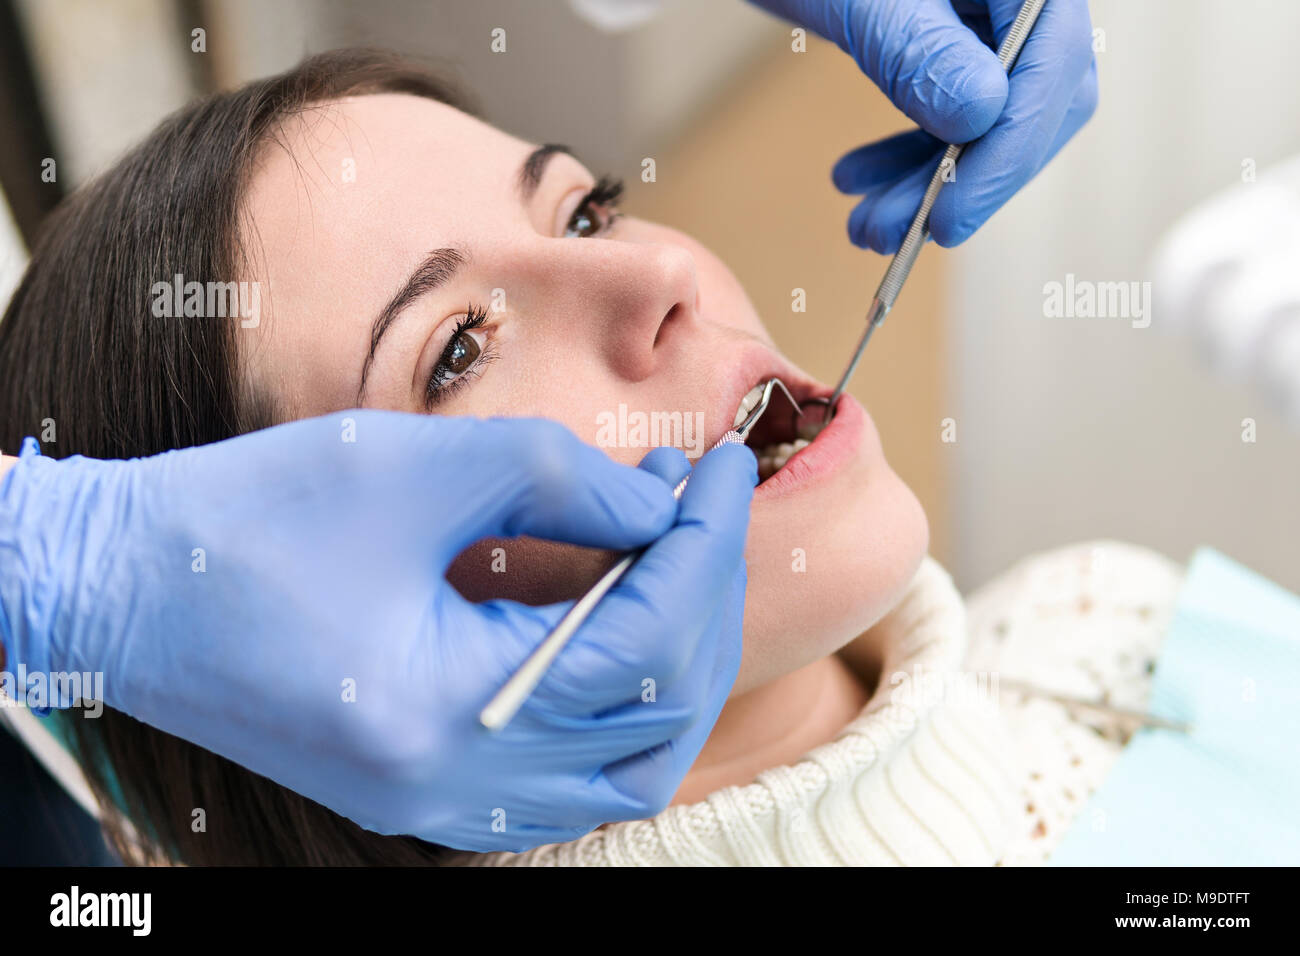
(636, 298)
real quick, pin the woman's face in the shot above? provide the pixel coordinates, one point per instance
(394, 221)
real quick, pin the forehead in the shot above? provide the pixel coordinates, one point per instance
(375, 166)
(340, 206)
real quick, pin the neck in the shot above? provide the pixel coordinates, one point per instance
(775, 725)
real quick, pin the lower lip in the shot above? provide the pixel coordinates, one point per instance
(830, 450)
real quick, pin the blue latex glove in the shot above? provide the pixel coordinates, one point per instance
(935, 61)
(324, 571)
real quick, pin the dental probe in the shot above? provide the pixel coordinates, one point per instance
(503, 707)
(919, 231)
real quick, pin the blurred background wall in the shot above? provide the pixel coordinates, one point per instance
(1066, 429)
(1077, 428)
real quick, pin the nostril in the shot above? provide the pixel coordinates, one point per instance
(671, 314)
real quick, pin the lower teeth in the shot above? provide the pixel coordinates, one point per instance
(773, 458)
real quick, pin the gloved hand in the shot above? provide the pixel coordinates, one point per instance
(935, 61)
(280, 599)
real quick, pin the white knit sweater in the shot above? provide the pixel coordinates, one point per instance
(941, 767)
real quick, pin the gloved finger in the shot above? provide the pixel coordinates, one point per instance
(1081, 110)
(652, 623)
(649, 779)
(563, 754)
(919, 53)
(1053, 92)
(929, 64)
(884, 161)
(647, 747)
(566, 720)
(653, 711)
(571, 804)
(668, 463)
(881, 220)
(683, 577)
(528, 810)
(535, 477)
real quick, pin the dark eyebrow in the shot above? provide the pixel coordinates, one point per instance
(437, 269)
(530, 174)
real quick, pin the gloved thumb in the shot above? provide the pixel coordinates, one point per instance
(535, 477)
(931, 65)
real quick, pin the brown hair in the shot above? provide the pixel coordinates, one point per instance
(78, 344)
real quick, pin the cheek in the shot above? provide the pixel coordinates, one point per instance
(816, 584)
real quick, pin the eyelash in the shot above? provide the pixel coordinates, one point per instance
(605, 195)
(438, 388)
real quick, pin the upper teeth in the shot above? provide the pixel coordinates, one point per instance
(748, 404)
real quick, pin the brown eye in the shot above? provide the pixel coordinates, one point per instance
(468, 349)
(597, 210)
(462, 353)
(585, 222)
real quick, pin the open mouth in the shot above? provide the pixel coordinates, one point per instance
(781, 432)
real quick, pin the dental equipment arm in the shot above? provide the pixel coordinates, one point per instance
(934, 61)
(1224, 275)
(280, 599)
